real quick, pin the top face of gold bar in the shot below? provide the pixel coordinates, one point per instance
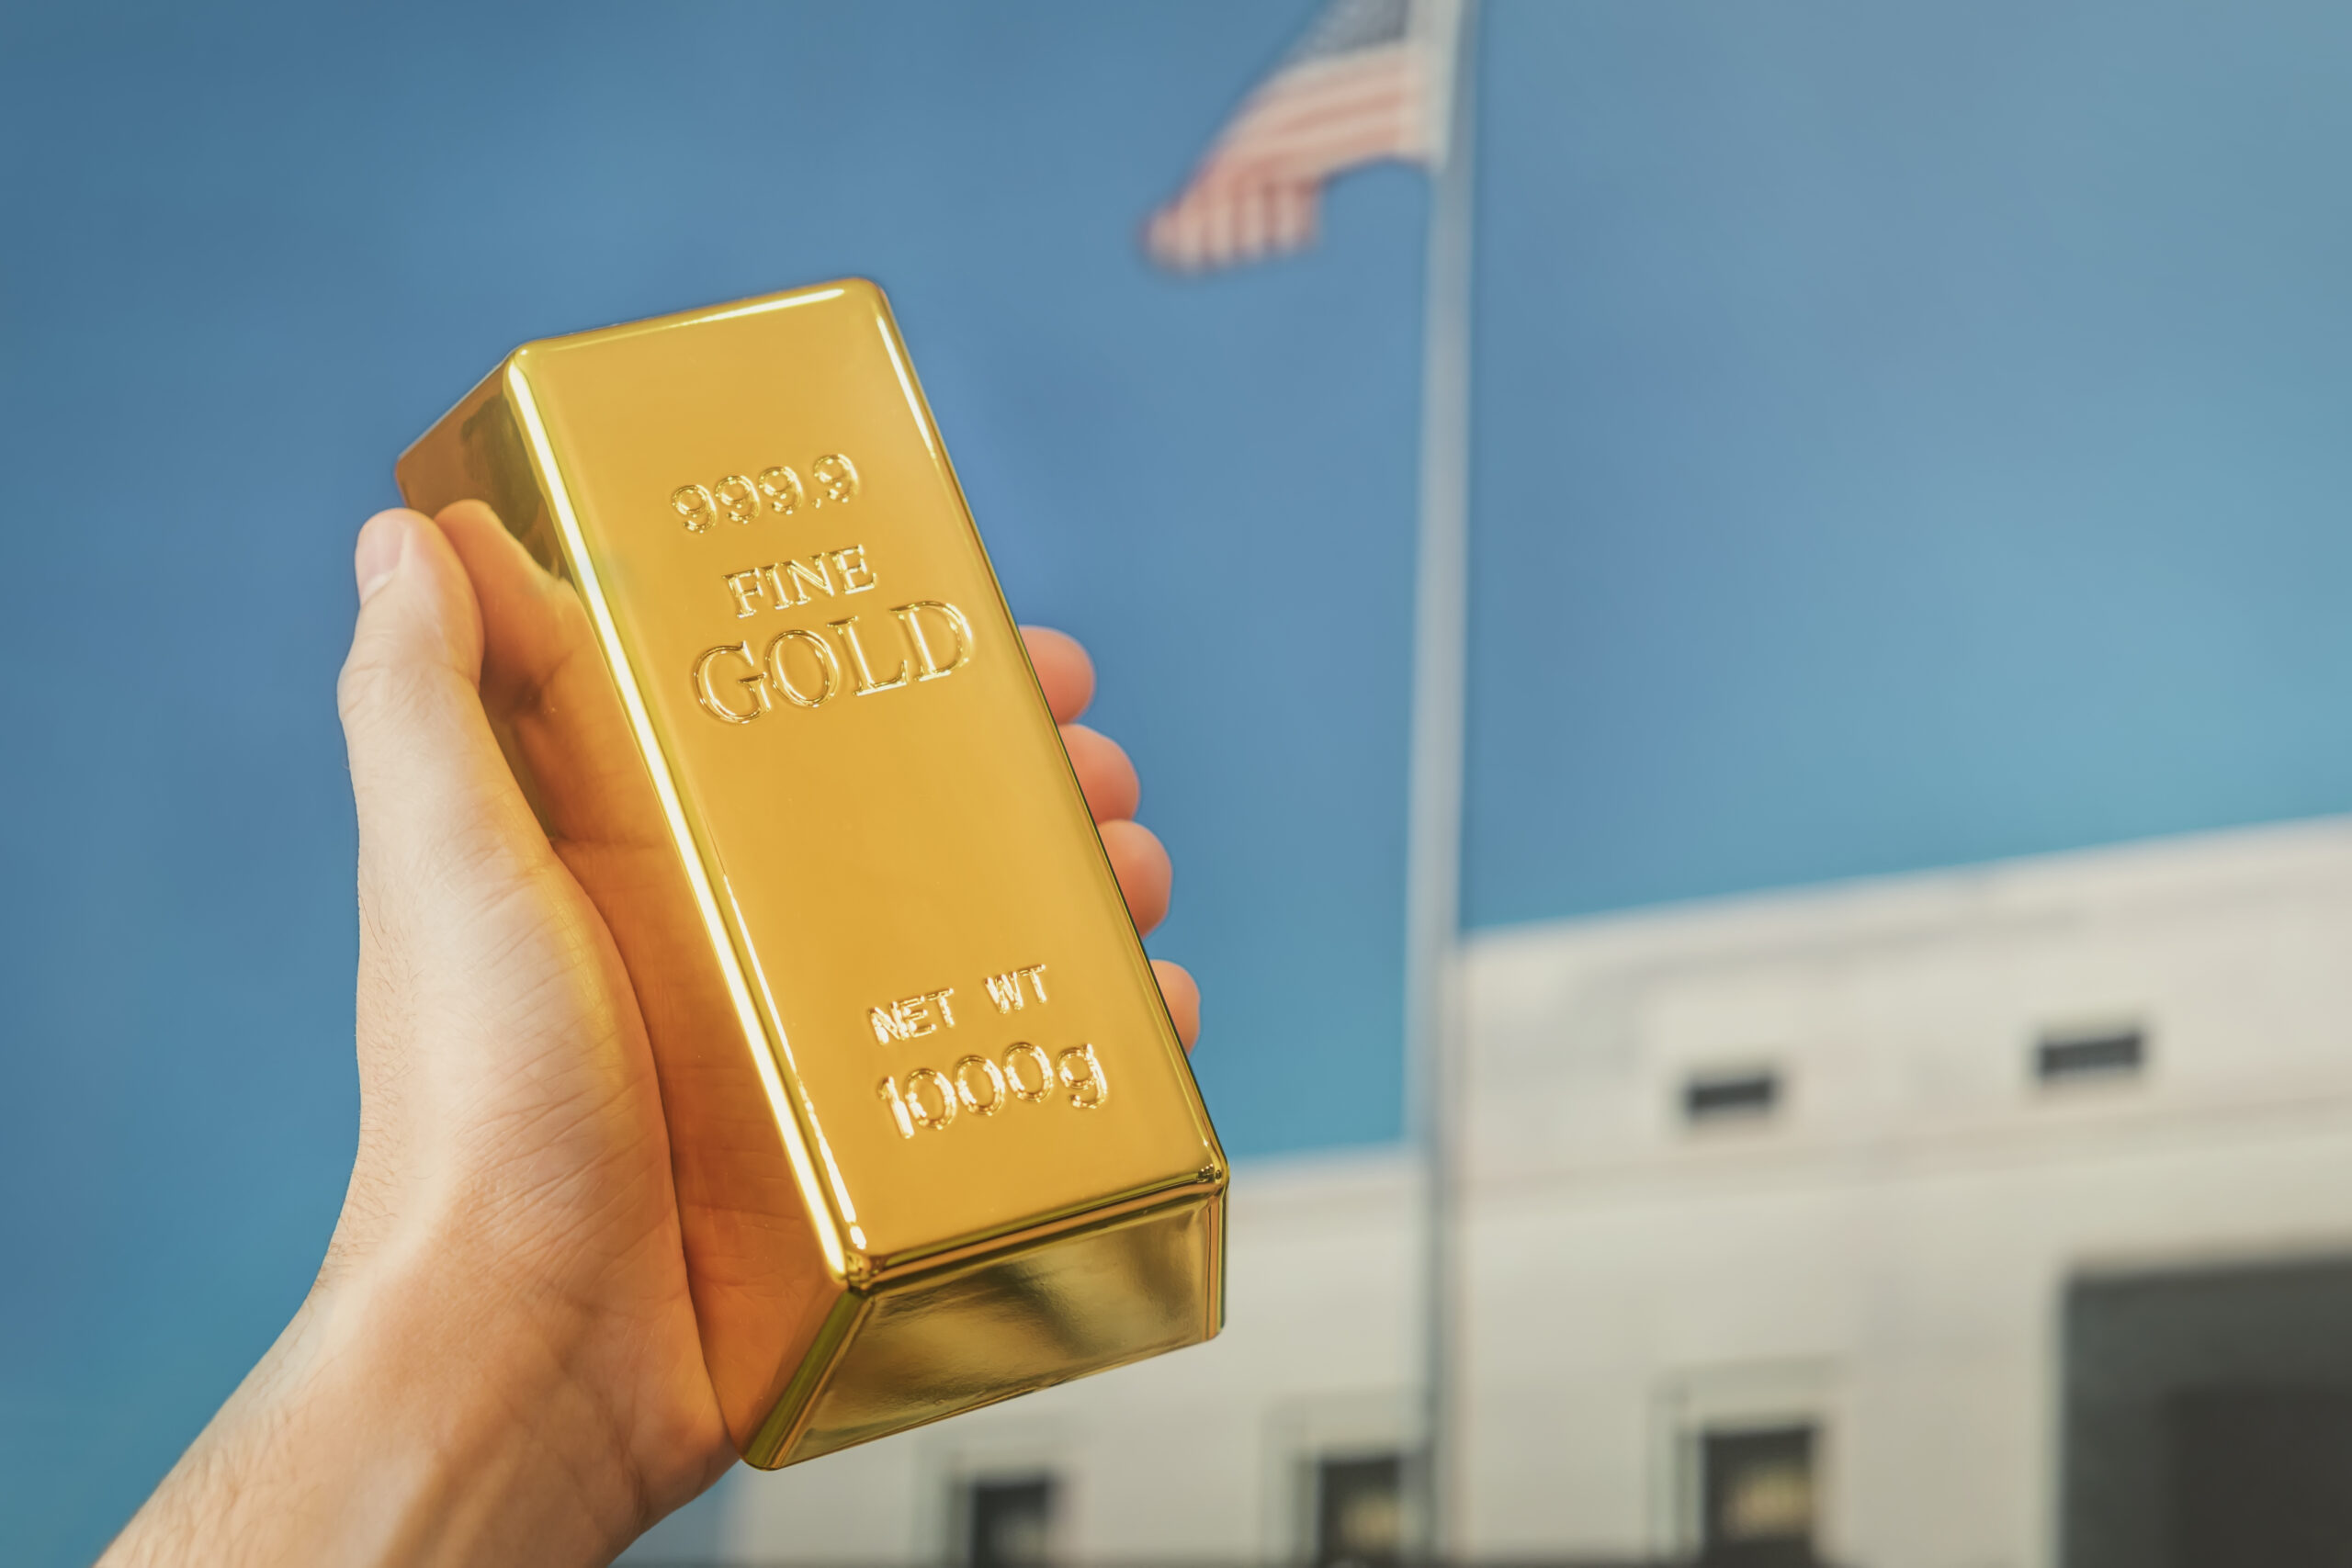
(895, 862)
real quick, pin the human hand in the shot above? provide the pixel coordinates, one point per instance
(499, 1362)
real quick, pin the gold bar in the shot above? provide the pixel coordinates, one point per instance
(934, 1138)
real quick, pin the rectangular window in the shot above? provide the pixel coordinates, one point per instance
(1708, 1097)
(1009, 1523)
(1757, 1485)
(1360, 1511)
(2100, 1054)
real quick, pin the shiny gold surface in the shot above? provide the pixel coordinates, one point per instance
(934, 1137)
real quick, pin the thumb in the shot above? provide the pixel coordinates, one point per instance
(425, 770)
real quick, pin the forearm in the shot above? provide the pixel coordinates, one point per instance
(378, 1431)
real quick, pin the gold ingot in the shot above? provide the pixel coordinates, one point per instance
(934, 1139)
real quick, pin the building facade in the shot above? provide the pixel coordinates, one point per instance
(1992, 1218)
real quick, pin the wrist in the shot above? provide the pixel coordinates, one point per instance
(391, 1424)
(511, 1453)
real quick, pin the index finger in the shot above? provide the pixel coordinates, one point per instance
(1063, 669)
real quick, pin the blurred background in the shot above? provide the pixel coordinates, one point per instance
(1908, 927)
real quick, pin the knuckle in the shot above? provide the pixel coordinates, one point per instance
(359, 684)
(371, 684)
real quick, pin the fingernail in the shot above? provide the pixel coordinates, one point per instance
(382, 542)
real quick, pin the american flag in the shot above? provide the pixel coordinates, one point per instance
(1371, 80)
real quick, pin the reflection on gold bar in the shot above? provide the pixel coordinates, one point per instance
(934, 1138)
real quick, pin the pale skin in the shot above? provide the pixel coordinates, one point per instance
(498, 1362)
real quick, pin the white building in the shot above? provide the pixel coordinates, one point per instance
(1994, 1218)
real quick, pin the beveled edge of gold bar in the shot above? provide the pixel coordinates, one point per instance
(771, 1443)
(814, 294)
(1208, 1182)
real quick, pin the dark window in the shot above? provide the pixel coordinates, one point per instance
(1360, 1511)
(1707, 1096)
(2256, 1475)
(1758, 1490)
(2207, 1419)
(1010, 1523)
(2065, 1058)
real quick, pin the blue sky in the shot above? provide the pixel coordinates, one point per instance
(1906, 435)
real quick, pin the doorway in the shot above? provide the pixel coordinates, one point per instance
(2209, 1418)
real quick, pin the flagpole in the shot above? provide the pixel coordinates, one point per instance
(1434, 1050)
